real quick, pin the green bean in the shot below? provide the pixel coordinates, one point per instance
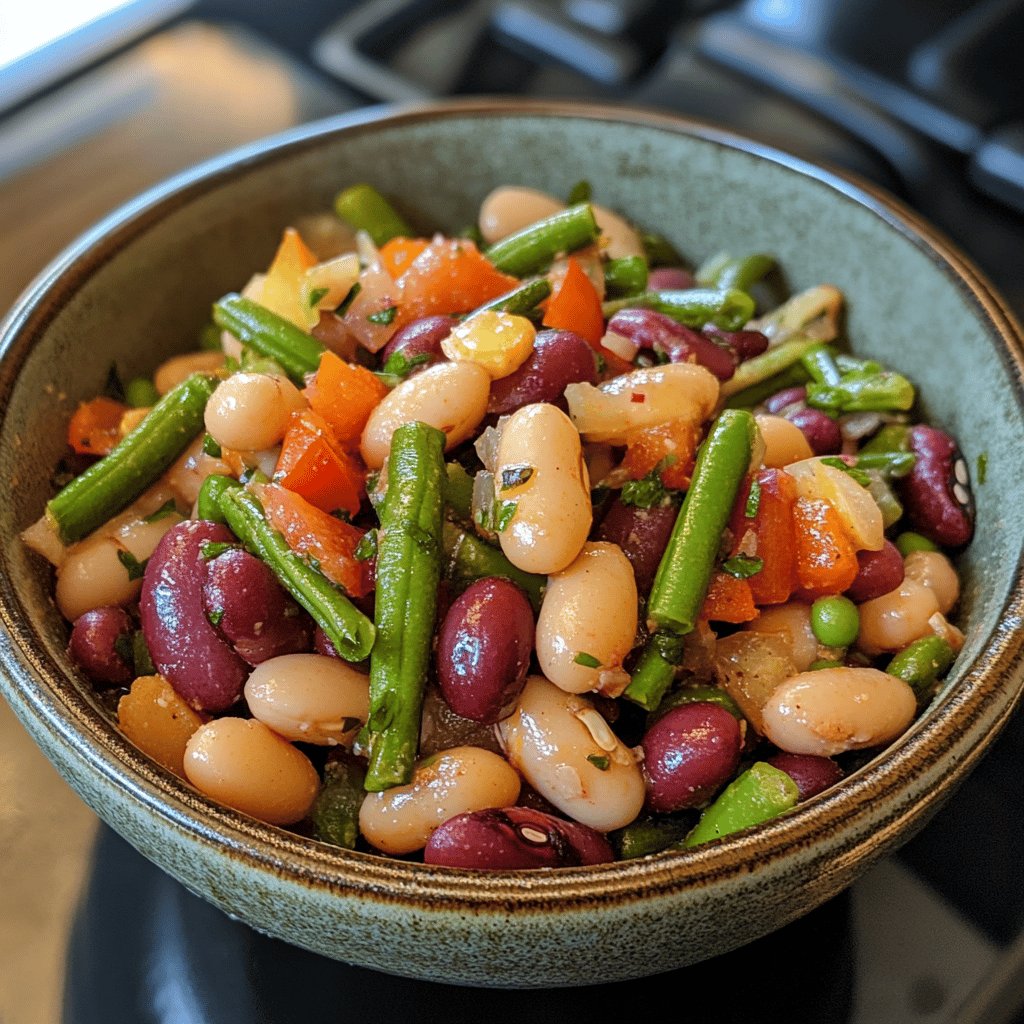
(820, 364)
(922, 662)
(208, 502)
(893, 437)
(335, 812)
(651, 677)
(767, 365)
(876, 392)
(700, 694)
(348, 629)
(141, 392)
(685, 569)
(532, 249)
(725, 271)
(521, 300)
(365, 209)
(408, 572)
(760, 793)
(468, 558)
(649, 835)
(119, 478)
(625, 276)
(659, 250)
(851, 364)
(889, 464)
(270, 335)
(728, 308)
(793, 376)
(457, 489)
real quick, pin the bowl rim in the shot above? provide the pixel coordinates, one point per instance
(961, 724)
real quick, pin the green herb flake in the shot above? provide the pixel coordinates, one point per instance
(515, 476)
(586, 660)
(136, 569)
(115, 386)
(503, 513)
(350, 298)
(858, 474)
(210, 549)
(669, 646)
(210, 447)
(367, 547)
(383, 316)
(123, 648)
(168, 508)
(982, 467)
(599, 761)
(581, 192)
(742, 567)
(753, 500)
(316, 295)
(215, 616)
(648, 491)
(399, 365)
(140, 655)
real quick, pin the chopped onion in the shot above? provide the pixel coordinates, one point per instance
(486, 445)
(483, 503)
(369, 254)
(619, 345)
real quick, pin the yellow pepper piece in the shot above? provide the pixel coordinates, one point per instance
(499, 342)
(282, 289)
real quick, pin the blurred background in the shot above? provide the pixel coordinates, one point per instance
(100, 99)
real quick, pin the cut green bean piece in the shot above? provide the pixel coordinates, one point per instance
(365, 209)
(725, 271)
(762, 792)
(348, 629)
(922, 662)
(625, 276)
(408, 572)
(876, 392)
(728, 308)
(521, 300)
(270, 335)
(851, 364)
(457, 489)
(119, 478)
(467, 558)
(767, 365)
(649, 835)
(208, 502)
(749, 397)
(893, 437)
(820, 364)
(889, 464)
(651, 678)
(335, 812)
(684, 572)
(531, 250)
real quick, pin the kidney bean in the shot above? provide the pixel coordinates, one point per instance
(785, 398)
(643, 535)
(94, 641)
(811, 774)
(559, 358)
(879, 573)
(250, 608)
(647, 328)
(669, 279)
(483, 649)
(421, 337)
(186, 650)
(746, 344)
(937, 491)
(322, 644)
(513, 838)
(689, 754)
(822, 432)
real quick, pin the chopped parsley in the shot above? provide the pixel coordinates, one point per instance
(140, 655)
(581, 192)
(383, 316)
(210, 447)
(669, 646)
(215, 616)
(316, 295)
(210, 549)
(742, 567)
(982, 467)
(599, 761)
(753, 500)
(136, 569)
(350, 298)
(399, 366)
(515, 476)
(123, 648)
(497, 517)
(648, 491)
(858, 474)
(168, 508)
(586, 660)
(367, 547)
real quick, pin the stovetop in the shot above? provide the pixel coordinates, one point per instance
(923, 98)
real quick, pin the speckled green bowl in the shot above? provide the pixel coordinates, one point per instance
(138, 287)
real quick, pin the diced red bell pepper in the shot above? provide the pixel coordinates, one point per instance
(728, 600)
(646, 448)
(314, 466)
(344, 395)
(772, 528)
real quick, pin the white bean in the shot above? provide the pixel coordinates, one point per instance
(932, 569)
(310, 698)
(793, 622)
(621, 238)
(566, 751)
(455, 781)
(833, 710)
(190, 469)
(449, 396)
(784, 441)
(589, 614)
(890, 622)
(251, 411)
(176, 369)
(510, 208)
(553, 513)
(642, 398)
(242, 763)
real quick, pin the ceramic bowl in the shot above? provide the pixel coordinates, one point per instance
(137, 289)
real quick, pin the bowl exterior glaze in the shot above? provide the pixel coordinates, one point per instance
(138, 288)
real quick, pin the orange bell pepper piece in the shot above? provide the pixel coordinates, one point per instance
(398, 254)
(319, 536)
(646, 448)
(344, 395)
(313, 465)
(774, 538)
(826, 558)
(576, 306)
(95, 426)
(728, 600)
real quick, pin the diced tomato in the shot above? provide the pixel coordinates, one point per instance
(449, 276)
(728, 600)
(397, 255)
(313, 465)
(773, 538)
(344, 395)
(576, 306)
(320, 537)
(95, 426)
(826, 558)
(646, 448)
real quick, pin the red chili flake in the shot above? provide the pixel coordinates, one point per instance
(638, 397)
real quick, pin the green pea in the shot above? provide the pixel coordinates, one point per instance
(835, 621)
(909, 541)
(141, 392)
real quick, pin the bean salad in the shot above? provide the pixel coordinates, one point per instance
(527, 547)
